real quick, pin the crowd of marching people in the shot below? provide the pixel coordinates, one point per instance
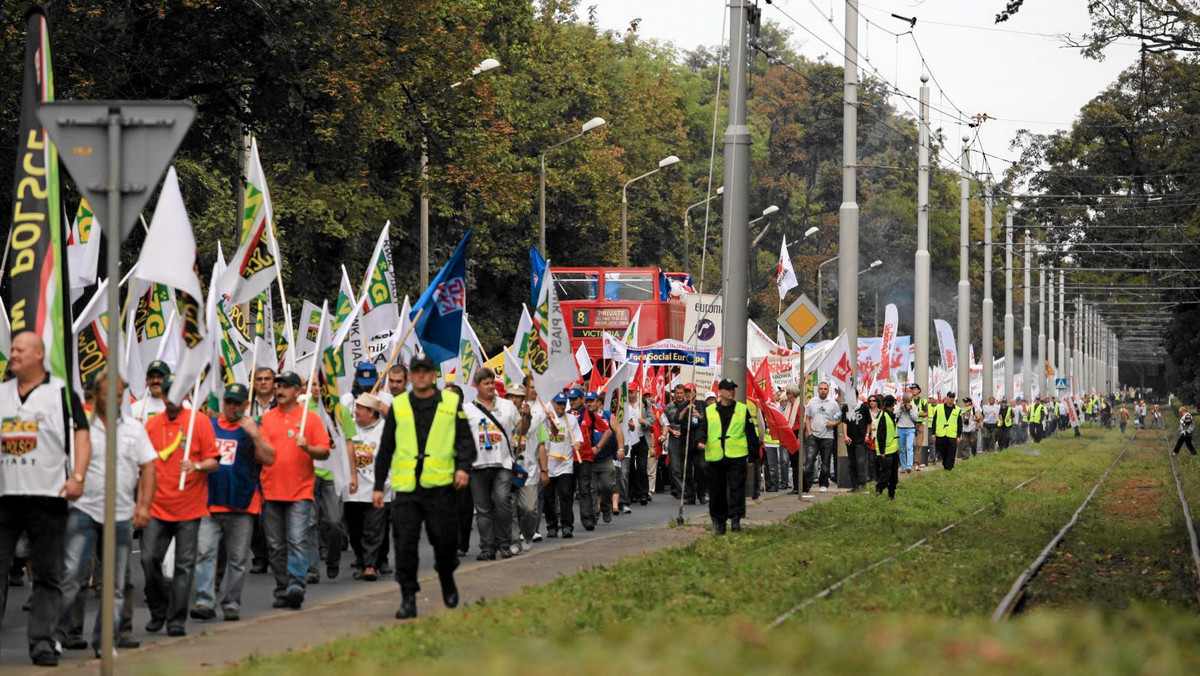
(246, 485)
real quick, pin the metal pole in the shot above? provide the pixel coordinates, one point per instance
(1050, 350)
(737, 203)
(986, 353)
(921, 273)
(1027, 330)
(1076, 370)
(112, 233)
(1010, 368)
(1041, 344)
(964, 285)
(424, 214)
(624, 233)
(848, 213)
(1062, 323)
(542, 208)
(686, 249)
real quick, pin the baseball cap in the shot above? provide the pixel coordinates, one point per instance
(726, 384)
(515, 390)
(289, 378)
(591, 395)
(366, 375)
(710, 395)
(574, 393)
(237, 393)
(689, 388)
(168, 381)
(422, 362)
(158, 366)
(559, 398)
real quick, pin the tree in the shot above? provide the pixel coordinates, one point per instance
(1162, 26)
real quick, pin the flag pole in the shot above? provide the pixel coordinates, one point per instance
(253, 343)
(312, 372)
(396, 349)
(187, 443)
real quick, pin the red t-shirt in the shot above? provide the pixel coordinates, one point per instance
(290, 479)
(170, 439)
(587, 452)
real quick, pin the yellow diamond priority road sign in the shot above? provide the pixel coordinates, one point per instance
(802, 320)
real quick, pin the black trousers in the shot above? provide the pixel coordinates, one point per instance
(858, 464)
(438, 509)
(947, 449)
(464, 509)
(585, 487)
(559, 499)
(727, 488)
(1035, 431)
(639, 478)
(1184, 439)
(889, 473)
(1005, 437)
(44, 519)
(365, 524)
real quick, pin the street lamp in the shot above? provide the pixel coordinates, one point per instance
(766, 212)
(587, 126)
(873, 265)
(662, 164)
(423, 274)
(687, 266)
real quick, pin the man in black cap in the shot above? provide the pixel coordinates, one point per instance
(727, 436)
(428, 450)
(152, 404)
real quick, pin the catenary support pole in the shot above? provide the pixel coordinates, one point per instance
(736, 204)
(848, 212)
(1010, 367)
(989, 313)
(1040, 367)
(963, 330)
(1027, 330)
(921, 273)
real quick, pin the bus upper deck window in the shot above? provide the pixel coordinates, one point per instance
(630, 286)
(577, 285)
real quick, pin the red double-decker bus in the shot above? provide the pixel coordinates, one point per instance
(599, 299)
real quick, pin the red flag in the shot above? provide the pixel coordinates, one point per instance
(759, 389)
(595, 380)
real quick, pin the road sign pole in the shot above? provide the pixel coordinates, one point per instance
(112, 235)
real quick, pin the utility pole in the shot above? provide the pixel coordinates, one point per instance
(964, 285)
(1076, 366)
(1010, 368)
(921, 273)
(1062, 323)
(424, 213)
(848, 213)
(1040, 368)
(1048, 388)
(1027, 330)
(988, 311)
(737, 201)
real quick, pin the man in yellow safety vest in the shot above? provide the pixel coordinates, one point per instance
(729, 436)
(426, 452)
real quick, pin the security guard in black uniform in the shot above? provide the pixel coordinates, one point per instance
(428, 451)
(728, 437)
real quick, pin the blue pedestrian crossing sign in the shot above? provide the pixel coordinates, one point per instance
(1060, 383)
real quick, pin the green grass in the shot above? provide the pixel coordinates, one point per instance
(703, 608)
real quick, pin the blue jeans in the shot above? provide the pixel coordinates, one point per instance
(907, 436)
(85, 538)
(236, 529)
(325, 526)
(286, 526)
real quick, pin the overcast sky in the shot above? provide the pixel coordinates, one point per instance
(1016, 71)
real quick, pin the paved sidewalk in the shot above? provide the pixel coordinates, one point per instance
(369, 607)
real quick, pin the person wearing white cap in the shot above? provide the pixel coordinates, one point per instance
(364, 523)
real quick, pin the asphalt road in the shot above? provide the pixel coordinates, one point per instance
(257, 595)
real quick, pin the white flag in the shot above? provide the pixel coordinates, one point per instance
(836, 364)
(520, 344)
(513, 373)
(785, 274)
(380, 312)
(946, 345)
(890, 323)
(550, 360)
(254, 265)
(583, 360)
(83, 249)
(169, 254)
(631, 332)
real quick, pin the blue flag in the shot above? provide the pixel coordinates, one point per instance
(537, 272)
(439, 326)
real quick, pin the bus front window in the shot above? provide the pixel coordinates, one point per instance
(630, 286)
(575, 286)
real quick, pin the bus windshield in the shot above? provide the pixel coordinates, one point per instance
(572, 286)
(630, 286)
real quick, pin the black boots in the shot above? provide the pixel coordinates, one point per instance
(718, 526)
(450, 593)
(735, 524)
(408, 607)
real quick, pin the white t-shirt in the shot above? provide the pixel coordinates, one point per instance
(560, 450)
(147, 407)
(365, 444)
(991, 414)
(821, 412)
(33, 438)
(133, 450)
(529, 456)
(491, 449)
